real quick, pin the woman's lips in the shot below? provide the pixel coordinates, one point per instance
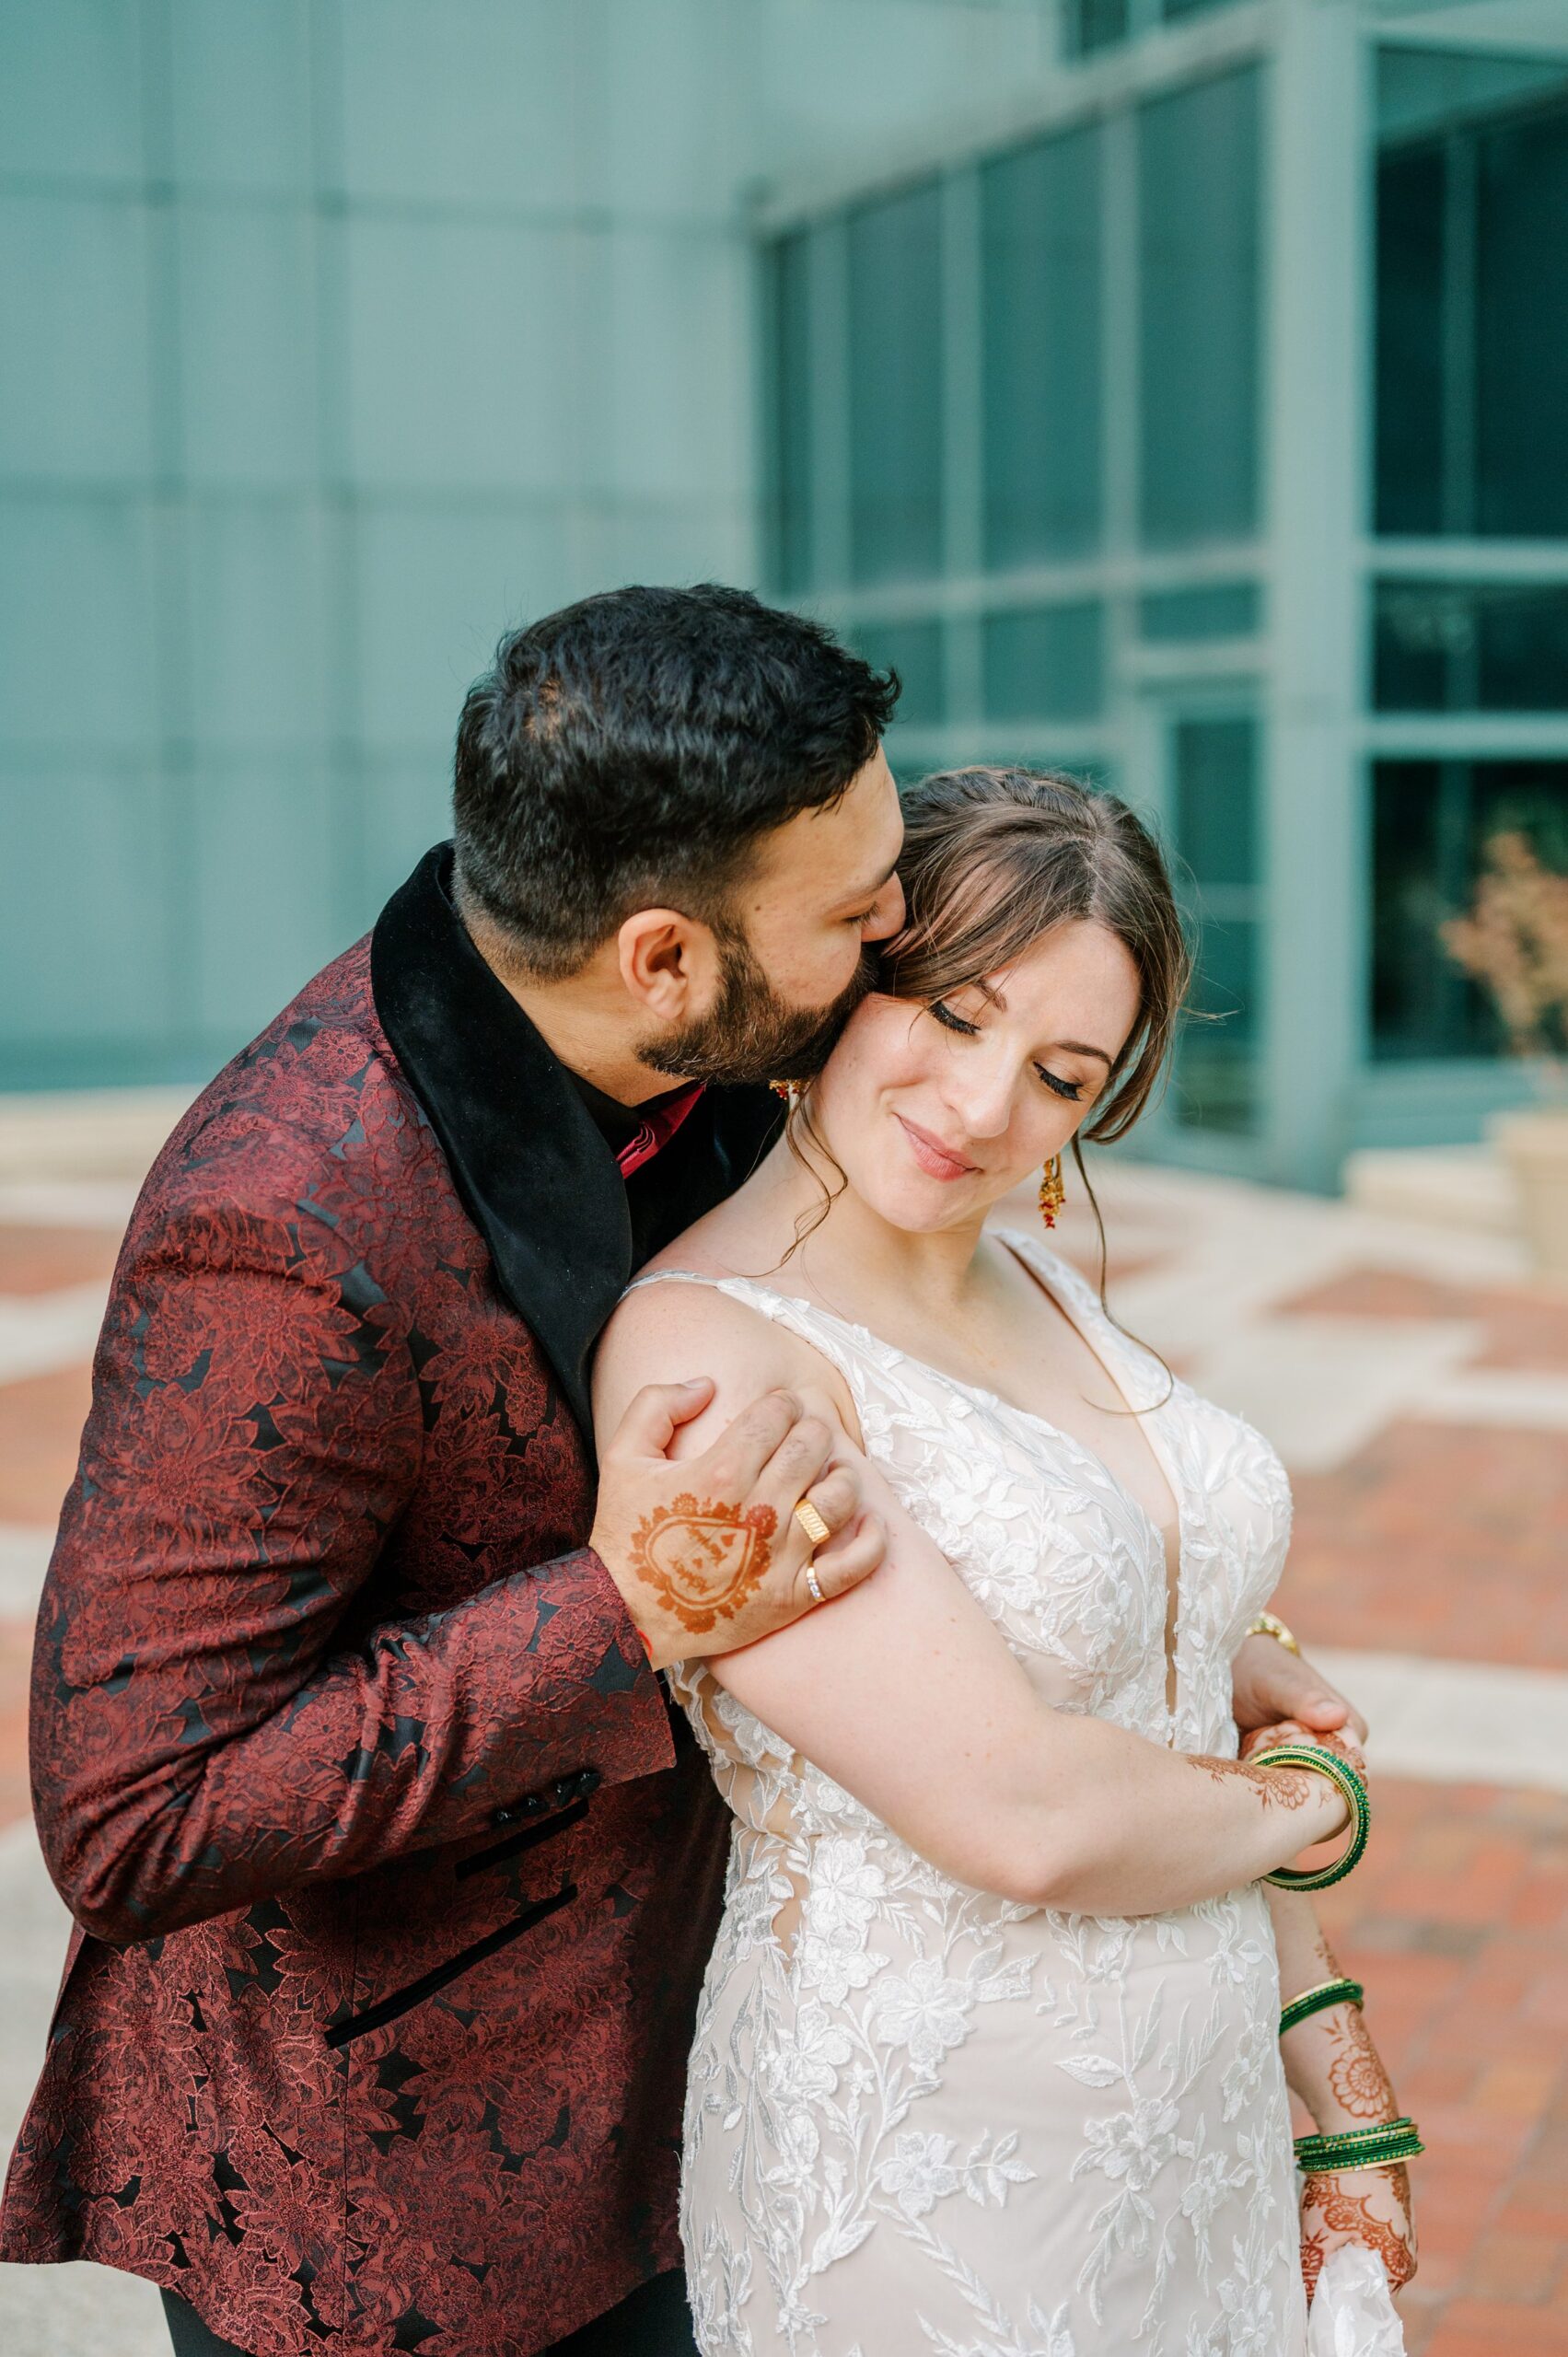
(938, 1160)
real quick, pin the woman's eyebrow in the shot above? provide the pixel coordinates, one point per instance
(1082, 1048)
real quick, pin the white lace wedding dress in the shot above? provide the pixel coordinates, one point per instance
(921, 2118)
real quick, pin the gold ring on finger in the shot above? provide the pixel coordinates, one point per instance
(812, 1584)
(811, 1522)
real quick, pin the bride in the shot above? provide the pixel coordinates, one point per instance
(988, 2058)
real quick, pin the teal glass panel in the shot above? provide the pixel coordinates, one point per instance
(71, 89)
(1198, 375)
(1090, 25)
(259, 644)
(1040, 226)
(1172, 9)
(79, 647)
(1409, 343)
(915, 651)
(1432, 821)
(1216, 812)
(74, 367)
(247, 344)
(462, 373)
(239, 95)
(1216, 800)
(1472, 291)
(1521, 327)
(792, 559)
(1213, 610)
(1044, 663)
(263, 909)
(1470, 647)
(88, 897)
(895, 340)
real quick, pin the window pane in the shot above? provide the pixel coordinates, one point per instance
(1522, 327)
(896, 388)
(1198, 197)
(1432, 821)
(1216, 800)
(1042, 280)
(1470, 647)
(1217, 609)
(1217, 837)
(1408, 457)
(789, 269)
(1217, 1065)
(1043, 663)
(1095, 24)
(915, 651)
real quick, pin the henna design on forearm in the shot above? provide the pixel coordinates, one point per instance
(1333, 2212)
(1286, 1787)
(1356, 2077)
(704, 1558)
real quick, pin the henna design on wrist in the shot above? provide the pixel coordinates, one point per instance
(702, 1557)
(1356, 2077)
(1286, 1787)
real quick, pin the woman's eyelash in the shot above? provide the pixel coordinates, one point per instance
(1071, 1089)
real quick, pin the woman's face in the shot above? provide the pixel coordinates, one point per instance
(935, 1113)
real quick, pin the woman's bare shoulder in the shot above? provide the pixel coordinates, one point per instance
(671, 1332)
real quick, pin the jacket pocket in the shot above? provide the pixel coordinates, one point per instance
(402, 2001)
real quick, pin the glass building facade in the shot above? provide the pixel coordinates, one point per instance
(1205, 434)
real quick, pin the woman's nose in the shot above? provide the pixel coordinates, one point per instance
(982, 1098)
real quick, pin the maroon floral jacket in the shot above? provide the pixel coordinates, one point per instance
(393, 1886)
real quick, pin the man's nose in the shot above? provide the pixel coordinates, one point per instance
(887, 916)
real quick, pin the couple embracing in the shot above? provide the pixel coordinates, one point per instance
(612, 1812)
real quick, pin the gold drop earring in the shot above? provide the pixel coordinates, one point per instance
(1052, 1190)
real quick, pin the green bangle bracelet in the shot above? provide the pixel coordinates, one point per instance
(1359, 2148)
(1340, 1773)
(1317, 2001)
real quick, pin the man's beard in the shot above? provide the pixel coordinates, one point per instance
(752, 1034)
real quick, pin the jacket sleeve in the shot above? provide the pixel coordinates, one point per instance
(205, 1733)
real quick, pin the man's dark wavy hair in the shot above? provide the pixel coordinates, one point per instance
(628, 751)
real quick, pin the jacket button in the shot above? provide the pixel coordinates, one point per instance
(566, 1789)
(588, 1781)
(502, 1816)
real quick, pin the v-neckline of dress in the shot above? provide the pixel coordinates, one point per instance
(1171, 1657)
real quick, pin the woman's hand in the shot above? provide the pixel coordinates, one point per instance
(1370, 2206)
(1269, 1683)
(1338, 1740)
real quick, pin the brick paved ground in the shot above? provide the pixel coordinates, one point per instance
(1431, 1537)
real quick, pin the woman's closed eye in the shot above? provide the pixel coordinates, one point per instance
(1072, 1090)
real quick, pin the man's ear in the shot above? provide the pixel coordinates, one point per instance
(668, 964)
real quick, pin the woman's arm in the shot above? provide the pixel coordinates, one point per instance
(906, 1693)
(1334, 2069)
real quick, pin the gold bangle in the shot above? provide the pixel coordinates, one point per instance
(1267, 1624)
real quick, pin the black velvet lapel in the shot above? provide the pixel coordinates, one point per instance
(565, 1230)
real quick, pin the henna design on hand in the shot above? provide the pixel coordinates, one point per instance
(704, 1557)
(1332, 2213)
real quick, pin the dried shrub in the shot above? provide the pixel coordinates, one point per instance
(1514, 943)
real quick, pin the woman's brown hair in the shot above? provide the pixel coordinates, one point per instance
(993, 858)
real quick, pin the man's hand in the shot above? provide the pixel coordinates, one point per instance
(1271, 1683)
(708, 1553)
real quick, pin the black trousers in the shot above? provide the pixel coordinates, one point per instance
(654, 2322)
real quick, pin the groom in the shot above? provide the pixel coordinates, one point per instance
(393, 1879)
